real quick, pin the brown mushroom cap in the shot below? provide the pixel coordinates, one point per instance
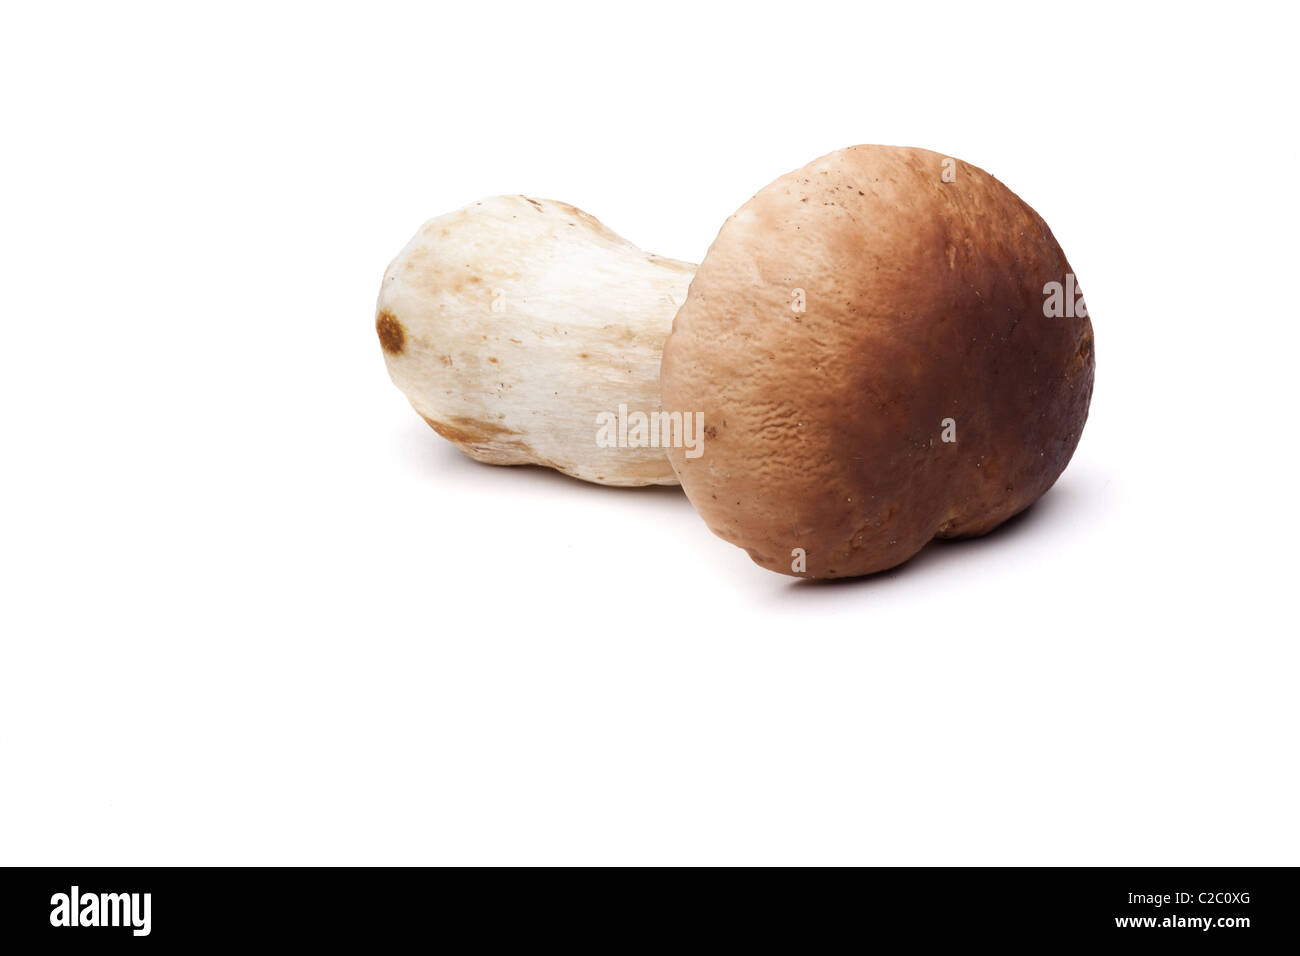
(928, 314)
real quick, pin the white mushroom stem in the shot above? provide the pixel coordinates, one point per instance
(515, 326)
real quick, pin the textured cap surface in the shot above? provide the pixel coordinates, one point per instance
(880, 358)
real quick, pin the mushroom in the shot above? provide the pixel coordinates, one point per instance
(525, 332)
(887, 346)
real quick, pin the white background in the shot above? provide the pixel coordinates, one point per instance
(255, 611)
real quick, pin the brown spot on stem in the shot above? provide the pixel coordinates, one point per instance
(392, 337)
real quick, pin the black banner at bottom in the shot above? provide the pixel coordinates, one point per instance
(132, 908)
